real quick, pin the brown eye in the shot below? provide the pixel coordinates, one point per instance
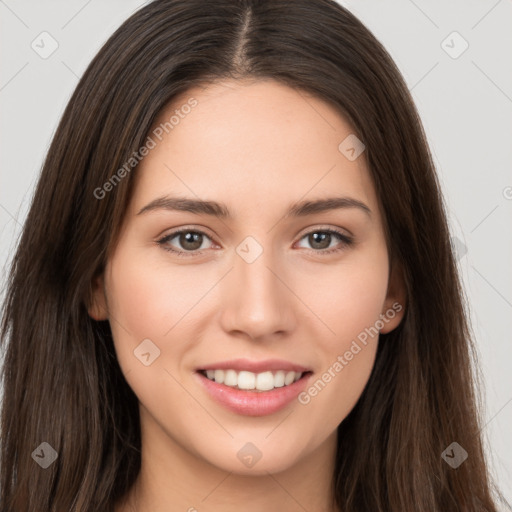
(187, 240)
(320, 240)
(190, 240)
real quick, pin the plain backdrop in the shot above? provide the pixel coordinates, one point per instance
(456, 59)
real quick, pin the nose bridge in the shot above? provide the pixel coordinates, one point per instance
(259, 302)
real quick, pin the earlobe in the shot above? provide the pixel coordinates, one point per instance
(394, 305)
(97, 307)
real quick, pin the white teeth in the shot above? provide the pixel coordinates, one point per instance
(279, 379)
(246, 380)
(290, 377)
(230, 378)
(264, 381)
(219, 375)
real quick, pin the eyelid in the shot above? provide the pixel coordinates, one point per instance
(325, 227)
(193, 227)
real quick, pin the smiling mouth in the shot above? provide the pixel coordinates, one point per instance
(250, 381)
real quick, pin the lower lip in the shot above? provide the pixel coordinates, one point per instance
(253, 403)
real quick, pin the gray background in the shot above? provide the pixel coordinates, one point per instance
(465, 104)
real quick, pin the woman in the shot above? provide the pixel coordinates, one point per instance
(176, 339)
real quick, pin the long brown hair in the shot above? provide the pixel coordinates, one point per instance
(62, 383)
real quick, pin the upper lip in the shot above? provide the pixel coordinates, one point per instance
(255, 366)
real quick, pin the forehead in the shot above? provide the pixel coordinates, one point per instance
(257, 145)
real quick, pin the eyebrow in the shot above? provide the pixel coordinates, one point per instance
(220, 210)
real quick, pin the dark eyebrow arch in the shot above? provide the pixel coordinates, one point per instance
(220, 210)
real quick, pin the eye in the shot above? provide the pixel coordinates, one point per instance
(191, 242)
(321, 239)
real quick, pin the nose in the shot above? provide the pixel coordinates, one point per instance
(257, 299)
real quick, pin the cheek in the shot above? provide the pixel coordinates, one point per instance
(157, 301)
(332, 394)
(348, 359)
(149, 298)
(140, 303)
(347, 298)
(145, 302)
(350, 305)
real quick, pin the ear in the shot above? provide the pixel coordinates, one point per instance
(97, 308)
(394, 306)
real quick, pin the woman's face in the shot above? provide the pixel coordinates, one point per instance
(264, 289)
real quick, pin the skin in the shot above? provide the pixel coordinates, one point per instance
(257, 147)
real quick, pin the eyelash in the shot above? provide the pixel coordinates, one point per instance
(346, 241)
